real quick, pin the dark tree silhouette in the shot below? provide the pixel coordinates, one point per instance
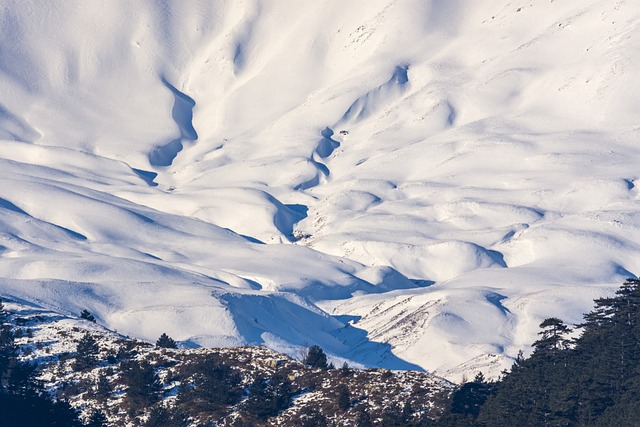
(161, 416)
(343, 397)
(312, 417)
(102, 389)
(316, 358)
(165, 341)
(267, 397)
(97, 419)
(345, 370)
(208, 386)
(86, 315)
(552, 335)
(86, 353)
(143, 385)
(8, 349)
(363, 418)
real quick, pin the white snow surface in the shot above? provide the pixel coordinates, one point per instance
(407, 183)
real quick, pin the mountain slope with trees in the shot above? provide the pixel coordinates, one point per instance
(588, 375)
(96, 377)
(405, 183)
(591, 380)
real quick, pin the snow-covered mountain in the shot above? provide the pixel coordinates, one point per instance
(409, 184)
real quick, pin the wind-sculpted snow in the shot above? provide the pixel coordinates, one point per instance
(405, 183)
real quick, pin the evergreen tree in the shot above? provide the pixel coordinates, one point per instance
(407, 412)
(102, 389)
(363, 418)
(552, 336)
(312, 417)
(35, 410)
(22, 379)
(392, 417)
(165, 341)
(97, 419)
(343, 397)
(86, 315)
(316, 358)
(86, 353)
(208, 386)
(8, 349)
(161, 416)
(469, 398)
(267, 397)
(143, 385)
(345, 370)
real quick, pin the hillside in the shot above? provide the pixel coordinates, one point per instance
(127, 381)
(408, 184)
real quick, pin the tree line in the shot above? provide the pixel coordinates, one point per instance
(593, 380)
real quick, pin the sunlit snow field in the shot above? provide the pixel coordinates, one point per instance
(409, 184)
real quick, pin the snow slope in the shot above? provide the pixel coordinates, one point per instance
(406, 183)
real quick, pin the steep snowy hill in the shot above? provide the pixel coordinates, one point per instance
(405, 183)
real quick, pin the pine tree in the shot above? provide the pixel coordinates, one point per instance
(345, 370)
(86, 315)
(102, 389)
(316, 358)
(86, 353)
(8, 349)
(208, 386)
(363, 419)
(22, 379)
(161, 416)
(392, 417)
(143, 385)
(552, 336)
(407, 412)
(23, 401)
(35, 410)
(469, 398)
(609, 351)
(343, 397)
(267, 397)
(97, 419)
(312, 417)
(165, 341)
